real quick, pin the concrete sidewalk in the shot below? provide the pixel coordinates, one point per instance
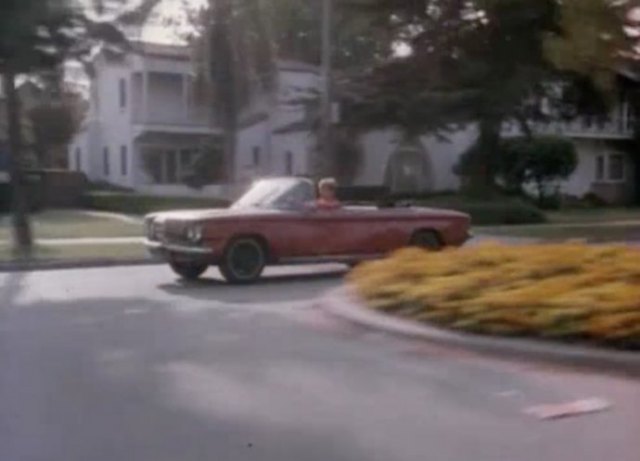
(131, 219)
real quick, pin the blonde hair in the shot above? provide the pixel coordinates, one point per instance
(327, 182)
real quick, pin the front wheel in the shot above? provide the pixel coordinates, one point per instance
(426, 239)
(188, 271)
(243, 260)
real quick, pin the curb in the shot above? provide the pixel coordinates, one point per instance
(343, 303)
(18, 266)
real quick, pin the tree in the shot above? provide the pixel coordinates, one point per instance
(234, 55)
(468, 62)
(538, 160)
(490, 61)
(236, 44)
(296, 29)
(55, 120)
(593, 42)
(36, 35)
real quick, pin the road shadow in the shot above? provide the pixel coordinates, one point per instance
(271, 288)
(135, 379)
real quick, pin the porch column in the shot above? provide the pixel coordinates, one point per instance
(185, 96)
(145, 94)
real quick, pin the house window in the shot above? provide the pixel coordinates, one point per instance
(105, 161)
(172, 166)
(616, 167)
(610, 168)
(187, 160)
(78, 159)
(288, 162)
(256, 156)
(153, 161)
(600, 168)
(123, 160)
(122, 91)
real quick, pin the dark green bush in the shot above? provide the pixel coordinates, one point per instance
(539, 161)
(128, 203)
(34, 194)
(498, 211)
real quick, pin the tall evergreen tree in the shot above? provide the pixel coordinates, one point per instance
(36, 35)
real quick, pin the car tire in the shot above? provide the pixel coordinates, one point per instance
(243, 260)
(425, 239)
(188, 271)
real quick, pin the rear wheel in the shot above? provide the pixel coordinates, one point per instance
(243, 260)
(425, 239)
(188, 271)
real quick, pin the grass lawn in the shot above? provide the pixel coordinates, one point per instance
(594, 215)
(595, 234)
(598, 225)
(52, 224)
(119, 252)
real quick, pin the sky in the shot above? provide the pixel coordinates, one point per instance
(160, 28)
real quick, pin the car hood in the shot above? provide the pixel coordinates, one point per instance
(208, 214)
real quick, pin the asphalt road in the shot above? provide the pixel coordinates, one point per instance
(129, 364)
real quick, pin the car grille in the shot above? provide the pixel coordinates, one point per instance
(176, 232)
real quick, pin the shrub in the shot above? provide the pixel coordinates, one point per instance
(568, 291)
(128, 203)
(539, 161)
(498, 211)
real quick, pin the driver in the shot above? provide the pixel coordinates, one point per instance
(327, 199)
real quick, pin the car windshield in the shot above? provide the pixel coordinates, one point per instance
(288, 193)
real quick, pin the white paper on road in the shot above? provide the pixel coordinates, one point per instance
(565, 410)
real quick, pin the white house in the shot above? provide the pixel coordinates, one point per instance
(144, 124)
(274, 138)
(145, 128)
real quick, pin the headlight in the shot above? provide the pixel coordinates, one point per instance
(153, 230)
(148, 228)
(194, 233)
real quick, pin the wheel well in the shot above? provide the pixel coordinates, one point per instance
(258, 238)
(427, 230)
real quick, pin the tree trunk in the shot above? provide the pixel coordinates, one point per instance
(19, 199)
(222, 73)
(484, 163)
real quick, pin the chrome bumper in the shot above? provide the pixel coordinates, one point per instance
(162, 249)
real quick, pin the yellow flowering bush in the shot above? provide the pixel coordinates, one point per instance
(568, 291)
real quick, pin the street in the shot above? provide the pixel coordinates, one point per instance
(130, 364)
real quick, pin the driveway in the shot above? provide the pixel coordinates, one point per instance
(130, 364)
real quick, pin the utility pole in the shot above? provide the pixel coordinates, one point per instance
(323, 156)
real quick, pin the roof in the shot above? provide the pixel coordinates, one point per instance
(297, 66)
(297, 126)
(183, 52)
(161, 50)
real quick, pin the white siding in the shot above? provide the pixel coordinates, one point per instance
(292, 86)
(581, 180)
(166, 103)
(249, 138)
(301, 145)
(115, 122)
(378, 146)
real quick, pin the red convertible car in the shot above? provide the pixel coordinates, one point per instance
(276, 222)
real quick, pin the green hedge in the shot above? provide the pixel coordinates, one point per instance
(498, 211)
(128, 203)
(34, 195)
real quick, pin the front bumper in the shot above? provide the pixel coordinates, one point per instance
(171, 252)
